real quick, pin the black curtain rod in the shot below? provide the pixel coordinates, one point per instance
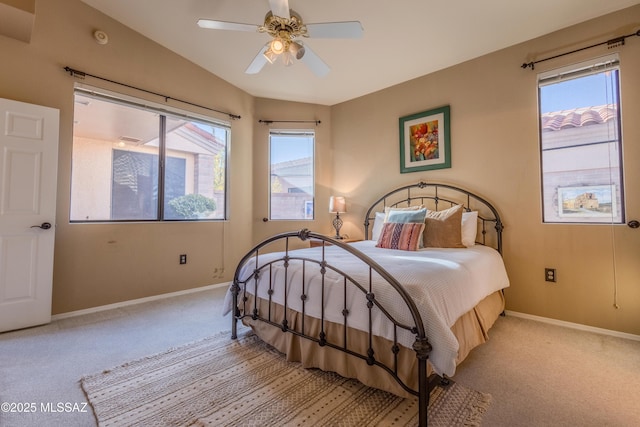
(618, 41)
(82, 75)
(268, 122)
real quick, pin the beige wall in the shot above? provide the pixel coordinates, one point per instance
(495, 153)
(17, 18)
(97, 264)
(26, 5)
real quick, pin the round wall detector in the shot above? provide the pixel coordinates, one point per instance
(101, 37)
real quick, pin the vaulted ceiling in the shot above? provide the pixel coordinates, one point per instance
(402, 40)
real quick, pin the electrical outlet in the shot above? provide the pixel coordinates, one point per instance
(183, 258)
(550, 274)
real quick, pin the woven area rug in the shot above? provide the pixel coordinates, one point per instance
(224, 382)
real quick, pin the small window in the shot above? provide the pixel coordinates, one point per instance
(292, 179)
(132, 162)
(581, 143)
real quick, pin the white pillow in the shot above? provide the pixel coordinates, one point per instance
(378, 224)
(469, 228)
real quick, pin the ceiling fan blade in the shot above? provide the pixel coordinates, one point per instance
(280, 8)
(315, 64)
(258, 62)
(223, 25)
(336, 30)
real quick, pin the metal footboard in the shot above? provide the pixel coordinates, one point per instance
(251, 281)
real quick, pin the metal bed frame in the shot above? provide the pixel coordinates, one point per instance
(423, 193)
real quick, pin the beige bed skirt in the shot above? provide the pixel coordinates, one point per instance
(470, 329)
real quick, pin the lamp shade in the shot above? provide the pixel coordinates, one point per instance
(270, 55)
(296, 50)
(337, 204)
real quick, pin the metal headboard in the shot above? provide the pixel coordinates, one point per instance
(432, 195)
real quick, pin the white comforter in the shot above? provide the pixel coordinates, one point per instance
(444, 283)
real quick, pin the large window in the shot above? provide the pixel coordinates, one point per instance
(132, 162)
(292, 180)
(581, 143)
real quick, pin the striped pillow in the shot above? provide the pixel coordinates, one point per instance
(404, 236)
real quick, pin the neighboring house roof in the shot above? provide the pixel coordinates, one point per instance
(295, 173)
(578, 117)
(300, 166)
(195, 135)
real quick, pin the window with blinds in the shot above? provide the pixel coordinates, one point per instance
(134, 162)
(291, 183)
(581, 143)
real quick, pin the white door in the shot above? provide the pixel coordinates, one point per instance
(28, 173)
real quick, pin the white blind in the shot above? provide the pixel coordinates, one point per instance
(581, 69)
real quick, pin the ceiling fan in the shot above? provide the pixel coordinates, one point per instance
(286, 29)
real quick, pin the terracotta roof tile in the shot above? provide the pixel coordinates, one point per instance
(578, 117)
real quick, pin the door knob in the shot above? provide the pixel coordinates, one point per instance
(44, 226)
(633, 223)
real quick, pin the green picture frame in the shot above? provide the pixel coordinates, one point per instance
(425, 140)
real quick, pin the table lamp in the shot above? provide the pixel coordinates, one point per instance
(337, 204)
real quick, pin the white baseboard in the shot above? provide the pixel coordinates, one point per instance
(135, 301)
(574, 325)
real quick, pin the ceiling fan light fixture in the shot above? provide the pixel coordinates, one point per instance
(286, 29)
(277, 45)
(270, 55)
(296, 50)
(287, 58)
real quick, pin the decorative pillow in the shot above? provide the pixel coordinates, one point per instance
(443, 229)
(404, 236)
(378, 223)
(388, 210)
(469, 228)
(405, 216)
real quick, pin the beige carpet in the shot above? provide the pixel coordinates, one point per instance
(219, 381)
